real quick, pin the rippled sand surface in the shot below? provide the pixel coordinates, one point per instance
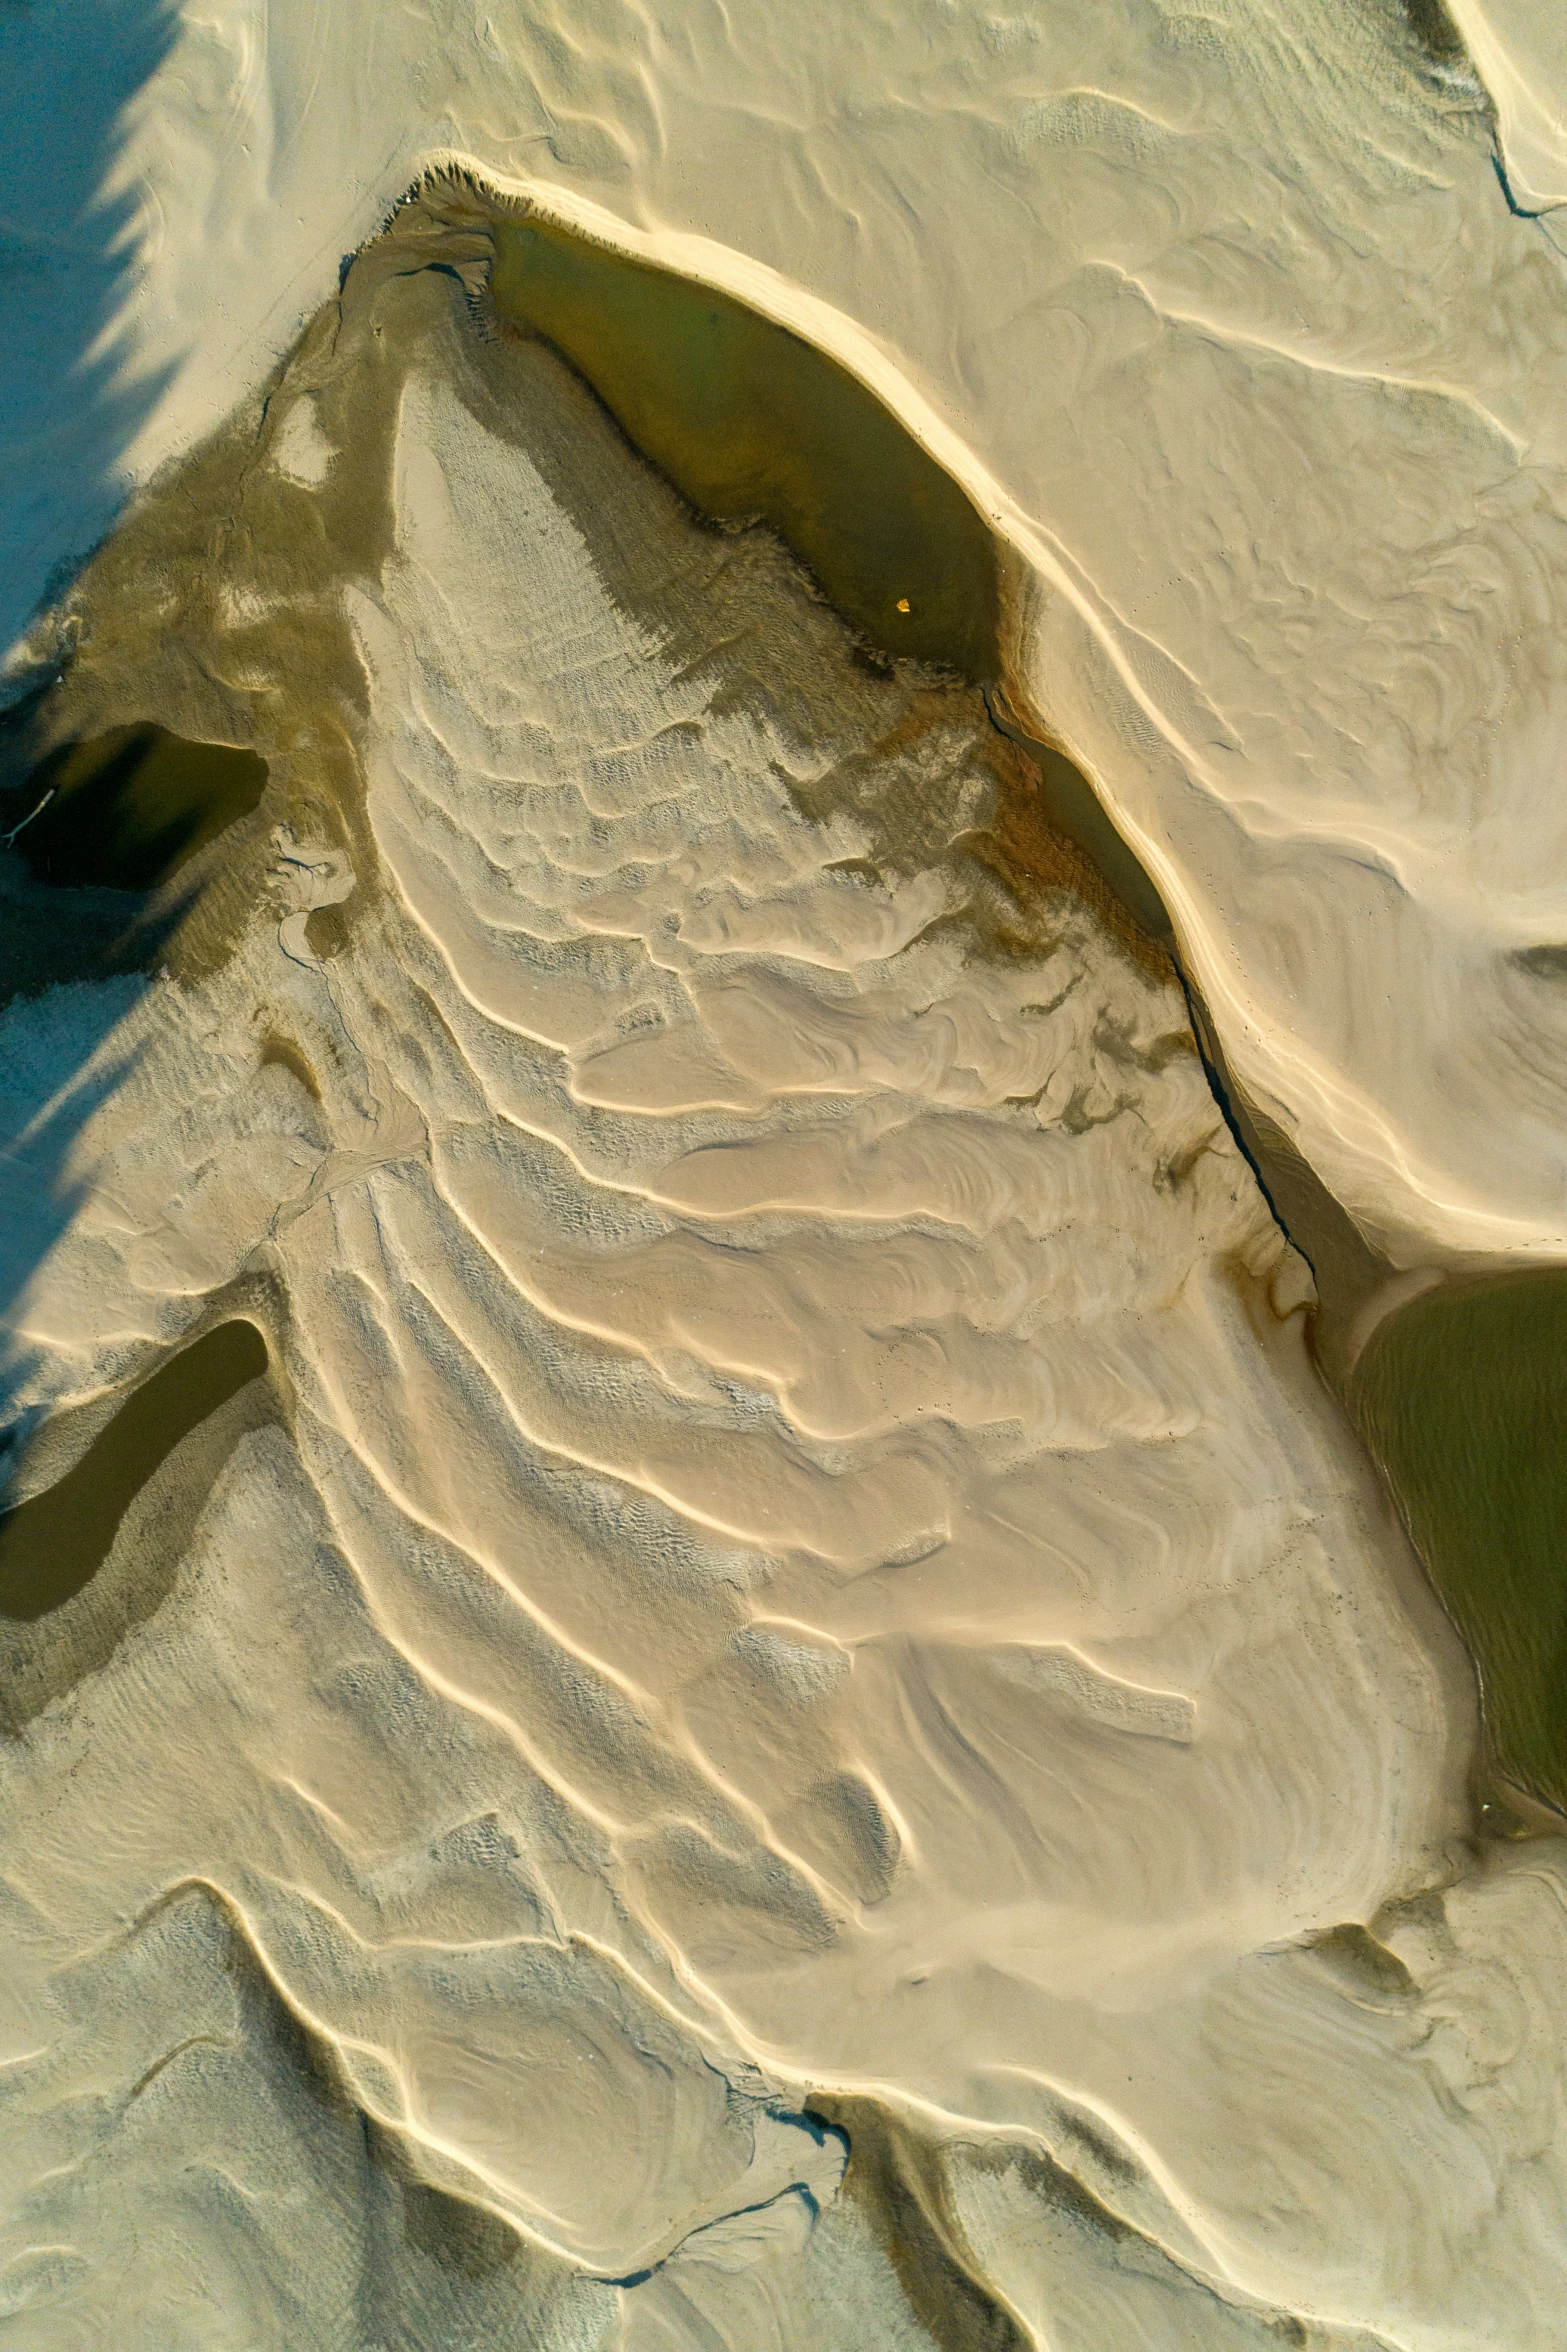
(1224, 313)
(789, 1717)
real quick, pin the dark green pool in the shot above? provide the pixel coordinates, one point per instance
(748, 420)
(124, 810)
(1462, 1397)
(51, 1545)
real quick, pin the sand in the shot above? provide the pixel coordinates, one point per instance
(790, 1716)
(1226, 319)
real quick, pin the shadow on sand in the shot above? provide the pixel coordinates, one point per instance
(69, 411)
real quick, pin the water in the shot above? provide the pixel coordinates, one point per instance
(53, 1544)
(1462, 1397)
(749, 421)
(126, 809)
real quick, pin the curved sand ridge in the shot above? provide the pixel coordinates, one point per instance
(796, 1574)
(1225, 321)
(1514, 48)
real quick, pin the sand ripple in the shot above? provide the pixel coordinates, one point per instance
(800, 1603)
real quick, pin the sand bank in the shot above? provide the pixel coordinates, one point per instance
(799, 1722)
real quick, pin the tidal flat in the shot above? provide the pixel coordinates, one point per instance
(811, 1730)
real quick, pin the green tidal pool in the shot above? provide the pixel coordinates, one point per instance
(1462, 1398)
(749, 421)
(55, 1542)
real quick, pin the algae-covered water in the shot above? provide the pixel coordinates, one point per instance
(1462, 1397)
(51, 1545)
(749, 421)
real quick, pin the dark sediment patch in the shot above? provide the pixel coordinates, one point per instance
(1363, 1961)
(1542, 963)
(894, 2176)
(55, 1542)
(749, 421)
(1461, 1396)
(280, 1052)
(1434, 32)
(1074, 813)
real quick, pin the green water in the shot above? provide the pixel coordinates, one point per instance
(750, 421)
(125, 810)
(1462, 1397)
(51, 1545)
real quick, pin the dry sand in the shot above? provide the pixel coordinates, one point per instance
(792, 1719)
(1226, 318)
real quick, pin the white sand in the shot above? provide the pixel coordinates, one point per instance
(814, 1559)
(1223, 315)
